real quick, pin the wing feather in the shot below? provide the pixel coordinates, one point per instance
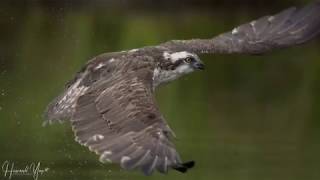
(120, 121)
(288, 28)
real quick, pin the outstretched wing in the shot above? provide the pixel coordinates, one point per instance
(119, 120)
(287, 28)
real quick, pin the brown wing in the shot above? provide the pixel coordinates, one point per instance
(119, 120)
(287, 28)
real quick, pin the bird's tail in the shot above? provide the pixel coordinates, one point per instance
(62, 107)
(57, 110)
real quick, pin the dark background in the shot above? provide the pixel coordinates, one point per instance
(244, 118)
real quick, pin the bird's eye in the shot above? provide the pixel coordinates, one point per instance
(189, 60)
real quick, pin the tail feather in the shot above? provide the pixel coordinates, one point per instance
(62, 107)
(56, 112)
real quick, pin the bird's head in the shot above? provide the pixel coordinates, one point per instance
(183, 62)
(175, 65)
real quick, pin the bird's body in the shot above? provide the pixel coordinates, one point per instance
(111, 103)
(150, 65)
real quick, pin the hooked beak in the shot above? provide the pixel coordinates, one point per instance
(199, 66)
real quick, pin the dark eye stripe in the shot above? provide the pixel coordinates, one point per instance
(177, 63)
(172, 66)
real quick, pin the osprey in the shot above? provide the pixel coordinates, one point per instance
(110, 102)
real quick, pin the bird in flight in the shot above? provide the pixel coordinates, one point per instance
(111, 105)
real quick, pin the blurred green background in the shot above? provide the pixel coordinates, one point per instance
(244, 118)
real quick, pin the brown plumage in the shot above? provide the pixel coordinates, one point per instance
(110, 102)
